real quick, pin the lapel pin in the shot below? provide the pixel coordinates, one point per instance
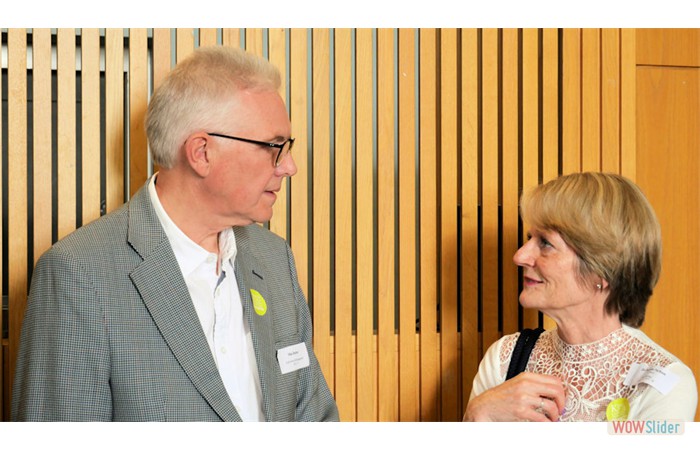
(259, 303)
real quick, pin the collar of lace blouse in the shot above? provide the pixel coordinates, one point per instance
(592, 350)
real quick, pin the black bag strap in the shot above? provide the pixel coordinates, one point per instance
(521, 353)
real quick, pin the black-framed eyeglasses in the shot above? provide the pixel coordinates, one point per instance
(282, 149)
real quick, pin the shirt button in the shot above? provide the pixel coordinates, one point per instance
(211, 258)
(223, 350)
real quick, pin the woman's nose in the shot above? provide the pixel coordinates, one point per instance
(524, 255)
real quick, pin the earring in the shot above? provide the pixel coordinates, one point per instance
(599, 286)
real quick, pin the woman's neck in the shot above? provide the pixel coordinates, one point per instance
(577, 331)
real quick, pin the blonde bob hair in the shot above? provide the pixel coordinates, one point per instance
(197, 96)
(606, 219)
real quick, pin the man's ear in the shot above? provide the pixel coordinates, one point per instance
(197, 153)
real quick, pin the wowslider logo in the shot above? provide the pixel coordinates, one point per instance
(646, 427)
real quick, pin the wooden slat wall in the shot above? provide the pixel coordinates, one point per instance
(412, 148)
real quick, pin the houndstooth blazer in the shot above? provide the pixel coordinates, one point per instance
(110, 331)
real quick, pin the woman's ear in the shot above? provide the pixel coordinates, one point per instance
(197, 153)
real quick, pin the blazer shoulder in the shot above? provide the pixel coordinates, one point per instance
(256, 235)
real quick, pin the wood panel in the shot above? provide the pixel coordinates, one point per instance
(668, 47)
(668, 168)
(184, 43)
(451, 408)
(571, 104)
(412, 148)
(321, 240)
(610, 101)
(42, 167)
(409, 381)
(365, 261)
(208, 37)
(345, 393)
(138, 102)
(471, 337)
(386, 288)
(17, 206)
(430, 378)
(114, 112)
(590, 100)
(66, 160)
(90, 123)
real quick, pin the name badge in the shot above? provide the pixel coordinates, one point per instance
(660, 378)
(293, 358)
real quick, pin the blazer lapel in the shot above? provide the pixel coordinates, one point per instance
(165, 294)
(254, 291)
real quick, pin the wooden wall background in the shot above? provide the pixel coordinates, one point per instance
(412, 146)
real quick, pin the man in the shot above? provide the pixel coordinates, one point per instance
(177, 306)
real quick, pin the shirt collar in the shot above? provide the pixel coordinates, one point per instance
(188, 253)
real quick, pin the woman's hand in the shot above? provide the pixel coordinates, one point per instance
(526, 397)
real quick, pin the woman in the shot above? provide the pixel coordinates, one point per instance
(591, 262)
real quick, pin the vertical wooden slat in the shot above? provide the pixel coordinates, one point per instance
(571, 101)
(430, 381)
(489, 187)
(254, 41)
(366, 390)
(278, 57)
(90, 122)
(42, 149)
(385, 226)
(231, 37)
(450, 364)
(161, 55)
(300, 184)
(66, 131)
(628, 104)
(184, 43)
(207, 37)
(138, 102)
(408, 379)
(471, 348)
(114, 106)
(16, 187)
(610, 100)
(510, 176)
(321, 198)
(343, 96)
(590, 93)
(530, 113)
(550, 104)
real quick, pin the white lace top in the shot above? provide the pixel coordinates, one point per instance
(594, 374)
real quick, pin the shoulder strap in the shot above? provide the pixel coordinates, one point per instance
(521, 353)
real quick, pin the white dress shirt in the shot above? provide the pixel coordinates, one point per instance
(214, 292)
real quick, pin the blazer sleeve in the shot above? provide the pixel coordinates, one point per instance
(315, 403)
(62, 371)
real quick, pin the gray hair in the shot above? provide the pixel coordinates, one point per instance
(197, 94)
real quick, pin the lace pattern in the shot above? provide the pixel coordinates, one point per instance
(593, 372)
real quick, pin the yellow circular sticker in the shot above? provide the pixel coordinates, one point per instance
(258, 302)
(618, 409)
